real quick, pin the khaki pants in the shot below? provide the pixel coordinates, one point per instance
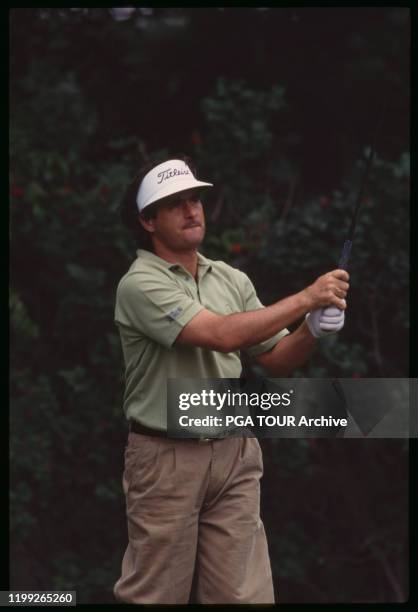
(194, 507)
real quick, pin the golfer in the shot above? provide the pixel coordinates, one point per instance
(193, 505)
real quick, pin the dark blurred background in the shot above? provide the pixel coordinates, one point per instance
(278, 107)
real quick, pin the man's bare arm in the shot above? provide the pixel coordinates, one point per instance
(239, 331)
(292, 352)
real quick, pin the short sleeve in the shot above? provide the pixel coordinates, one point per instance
(251, 302)
(155, 307)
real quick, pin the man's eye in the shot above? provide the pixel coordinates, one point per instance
(175, 203)
(195, 198)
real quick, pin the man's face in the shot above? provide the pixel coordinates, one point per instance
(179, 223)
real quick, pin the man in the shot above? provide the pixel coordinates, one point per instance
(193, 504)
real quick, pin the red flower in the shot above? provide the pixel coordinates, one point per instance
(17, 192)
(236, 248)
(196, 139)
(324, 202)
(104, 190)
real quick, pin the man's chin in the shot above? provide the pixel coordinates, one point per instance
(193, 236)
(193, 244)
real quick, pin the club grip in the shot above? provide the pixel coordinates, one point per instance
(345, 255)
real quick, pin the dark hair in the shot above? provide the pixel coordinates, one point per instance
(128, 207)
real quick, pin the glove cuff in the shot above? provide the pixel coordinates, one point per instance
(310, 325)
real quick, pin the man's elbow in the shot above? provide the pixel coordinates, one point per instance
(225, 344)
(224, 338)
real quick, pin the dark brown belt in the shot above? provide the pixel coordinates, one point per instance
(160, 433)
(141, 429)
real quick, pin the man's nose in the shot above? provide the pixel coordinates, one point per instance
(189, 208)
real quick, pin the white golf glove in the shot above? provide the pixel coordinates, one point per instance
(325, 321)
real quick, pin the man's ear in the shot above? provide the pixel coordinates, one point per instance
(147, 224)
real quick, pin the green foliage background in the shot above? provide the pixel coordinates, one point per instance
(92, 98)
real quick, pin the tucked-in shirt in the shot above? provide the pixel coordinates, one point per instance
(155, 299)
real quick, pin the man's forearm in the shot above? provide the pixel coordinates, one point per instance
(292, 352)
(245, 329)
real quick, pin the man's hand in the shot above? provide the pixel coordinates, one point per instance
(325, 321)
(329, 289)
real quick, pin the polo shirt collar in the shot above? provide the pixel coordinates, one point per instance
(149, 256)
(203, 263)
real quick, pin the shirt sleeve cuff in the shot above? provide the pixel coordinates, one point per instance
(181, 321)
(267, 345)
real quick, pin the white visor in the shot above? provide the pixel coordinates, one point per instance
(165, 179)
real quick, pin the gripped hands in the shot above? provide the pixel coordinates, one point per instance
(330, 289)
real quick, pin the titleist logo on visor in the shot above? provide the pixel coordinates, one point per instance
(169, 173)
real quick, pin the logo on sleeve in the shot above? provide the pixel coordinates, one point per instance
(173, 314)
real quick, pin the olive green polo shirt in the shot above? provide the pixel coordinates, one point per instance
(155, 299)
